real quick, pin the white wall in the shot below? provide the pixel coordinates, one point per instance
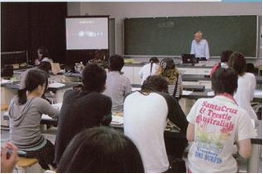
(73, 8)
(121, 10)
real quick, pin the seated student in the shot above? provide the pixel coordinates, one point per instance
(82, 109)
(246, 84)
(8, 161)
(172, 75)
(101, 150)
(42, 52)
(224, 59)
(44, 59)
(45, 66)
(25, 113)
(145, 118)
(149, 69)
(117, 85)
(215, 125)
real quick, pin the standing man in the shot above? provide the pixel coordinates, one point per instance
(200, 47)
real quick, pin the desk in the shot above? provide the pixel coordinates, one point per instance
(175, 141)
(204, 80)
(9, 90)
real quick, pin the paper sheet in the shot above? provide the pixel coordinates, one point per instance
(258, 93)
(136, 89)
(117, 120)
(211, 93)
(57, 106)
(56, 85)
(3, 81)
(46, 117)
(187, 92)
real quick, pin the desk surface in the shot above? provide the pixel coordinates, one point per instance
(170, 132)
(196, 77)
(15, 86)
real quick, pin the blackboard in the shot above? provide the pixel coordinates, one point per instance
(173, 35)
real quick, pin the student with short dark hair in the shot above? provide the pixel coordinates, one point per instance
(82, 109)
(149, 69)
(215, 125)
(246, 84)
(145, 117)
(25, 113)
(117, 84)
(224, 59)
(101, 150)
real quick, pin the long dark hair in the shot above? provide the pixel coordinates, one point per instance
(34, 78)
(238, 62)
(152, 61)
(101, 150)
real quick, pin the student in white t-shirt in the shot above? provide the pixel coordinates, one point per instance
(149, 69)
(246, 84)
(145, 118)
(215, 125)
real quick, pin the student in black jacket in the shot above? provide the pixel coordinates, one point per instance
(82, 109)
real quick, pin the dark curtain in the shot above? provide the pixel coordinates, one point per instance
(26, 26)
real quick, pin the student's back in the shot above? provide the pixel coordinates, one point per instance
(117, 84)
(246, 84)
(25, 113)
(245, 93)
(216, 125)
(83, 109)
(149, 69)
(80, 110)
(145, 118)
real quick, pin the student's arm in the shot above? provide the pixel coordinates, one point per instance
(207, 54)
(244, 148)
(127, 86)
(190, 132)
(106, 104)
(8, 162)
(192, 48)
(46, 108)
(191, 118)
(253, 87)
(141, 72)
(245, 131)
(175, 113)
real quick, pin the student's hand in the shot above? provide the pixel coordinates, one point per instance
(8, 161)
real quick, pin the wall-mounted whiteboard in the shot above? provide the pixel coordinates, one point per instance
(87, 33)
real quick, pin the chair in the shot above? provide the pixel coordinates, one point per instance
(24, 163)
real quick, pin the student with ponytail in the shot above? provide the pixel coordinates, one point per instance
(25, 113)
(149, 69)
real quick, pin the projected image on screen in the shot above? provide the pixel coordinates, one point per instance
(87, 33)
